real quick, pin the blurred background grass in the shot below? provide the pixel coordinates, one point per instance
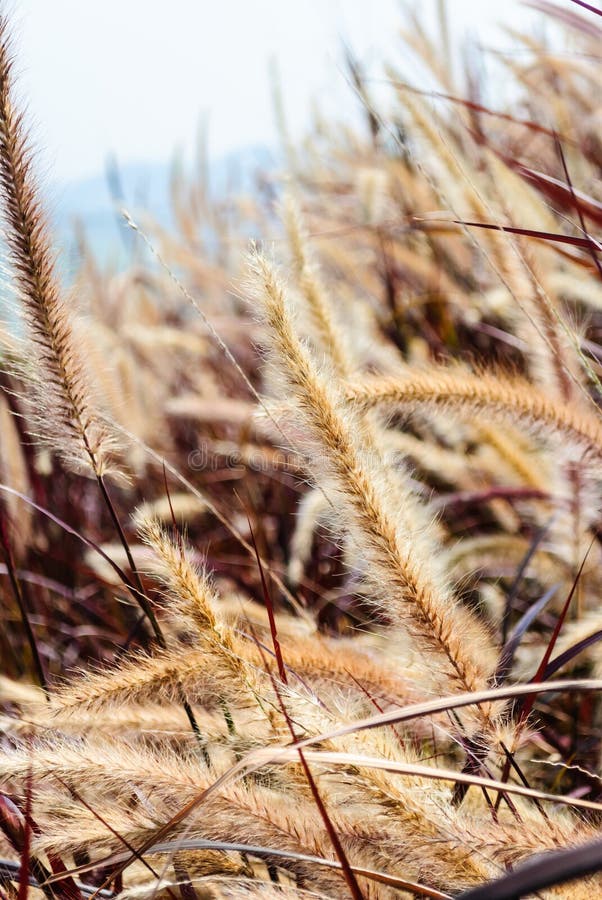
(119, 91)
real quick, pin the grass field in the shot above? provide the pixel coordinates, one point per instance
(300, 531)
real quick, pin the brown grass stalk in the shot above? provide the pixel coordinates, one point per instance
(483, 393)
(418, 597)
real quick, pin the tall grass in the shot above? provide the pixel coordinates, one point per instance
(301, 541)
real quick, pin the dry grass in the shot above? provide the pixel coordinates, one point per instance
(325, 619)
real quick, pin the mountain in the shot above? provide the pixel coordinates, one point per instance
(94, 203)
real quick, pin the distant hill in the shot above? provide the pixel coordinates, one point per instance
(95, 202)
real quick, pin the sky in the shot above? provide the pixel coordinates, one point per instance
(135, 78)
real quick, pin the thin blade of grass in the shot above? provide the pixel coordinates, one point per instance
(14, 825)
(533, 547)
(26, 845)
(10, 870)
(111, 830)
(18, 595)
(567, 175)
(546, 870)
(563, 658)
(587, 243)
(69, 530)
(262, 852)
(267, 598)
(527, 706)
(327, 757)
(354, 888)
(573, 20)
(509, 649)
(477, 107)
(560, 193)
(588, 6)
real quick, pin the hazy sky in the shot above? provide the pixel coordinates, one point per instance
(134, 77)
